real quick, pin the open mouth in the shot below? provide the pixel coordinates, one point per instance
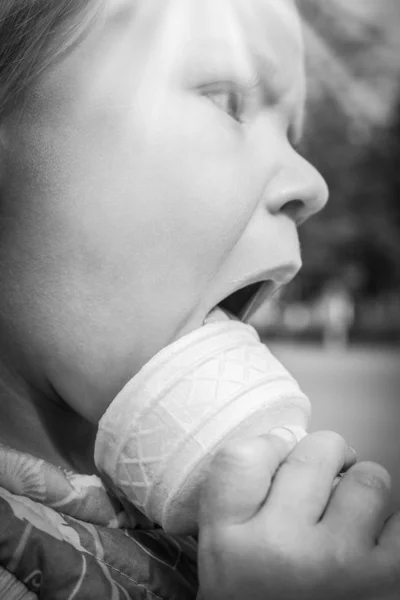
(243, 303)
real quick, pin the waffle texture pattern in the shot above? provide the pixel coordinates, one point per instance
(158, 436)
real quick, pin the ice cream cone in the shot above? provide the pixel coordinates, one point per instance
(157, 437)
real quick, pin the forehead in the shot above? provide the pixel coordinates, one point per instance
(152, 40)
(274, 24)
(276, 21)
(242, 33)
(237, 31)
(217, 37)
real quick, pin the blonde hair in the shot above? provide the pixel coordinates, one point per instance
(34, 34)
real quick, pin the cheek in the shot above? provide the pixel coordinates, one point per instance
(208, 184)
(148, 199)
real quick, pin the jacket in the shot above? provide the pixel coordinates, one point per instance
(64, 537)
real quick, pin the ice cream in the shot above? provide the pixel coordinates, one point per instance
(156, 439)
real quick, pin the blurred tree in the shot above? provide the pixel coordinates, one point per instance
(354, 140)
(377, 243)
(357, 237)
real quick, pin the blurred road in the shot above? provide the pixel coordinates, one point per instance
(356, 393)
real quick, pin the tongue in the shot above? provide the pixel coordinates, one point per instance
(219, 315)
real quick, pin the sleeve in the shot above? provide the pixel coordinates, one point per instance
(12, 589)
(56, 557)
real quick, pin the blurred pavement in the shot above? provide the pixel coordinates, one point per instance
(355, 392)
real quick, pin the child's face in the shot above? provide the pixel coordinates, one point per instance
(149, 177)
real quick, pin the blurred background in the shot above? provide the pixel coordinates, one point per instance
(337, 327)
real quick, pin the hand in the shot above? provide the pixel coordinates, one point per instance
(272, 525)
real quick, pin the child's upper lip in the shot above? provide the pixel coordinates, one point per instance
(279, 276)
(270, 279)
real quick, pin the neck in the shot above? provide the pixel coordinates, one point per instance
(35, 422)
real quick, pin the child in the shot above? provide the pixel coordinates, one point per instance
(147, 171)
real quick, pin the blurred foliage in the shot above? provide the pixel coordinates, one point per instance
(353, 138)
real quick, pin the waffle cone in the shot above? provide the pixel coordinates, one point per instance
(157, 438)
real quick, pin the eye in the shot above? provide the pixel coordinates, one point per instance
(229, 100)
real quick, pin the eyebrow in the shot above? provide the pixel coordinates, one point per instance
(208, 54)
(273, 78)
(297, 127)
(279, 87)
(269, 69)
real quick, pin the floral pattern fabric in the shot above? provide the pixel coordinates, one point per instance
(64, 537)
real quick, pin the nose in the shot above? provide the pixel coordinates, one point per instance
(299, 190)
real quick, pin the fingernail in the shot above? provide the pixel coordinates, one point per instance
(285, 434)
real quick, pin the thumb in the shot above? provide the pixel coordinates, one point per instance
(240, 477)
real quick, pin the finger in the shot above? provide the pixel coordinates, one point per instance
(240, 477)
(303, 484)
(357, 508)
(388, 554)
(389, 539)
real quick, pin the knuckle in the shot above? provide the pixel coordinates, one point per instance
(297, 459)
(319, 449)
(371, 476)
(236, 454)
